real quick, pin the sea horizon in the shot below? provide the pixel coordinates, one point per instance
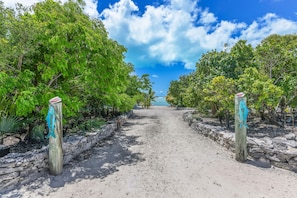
(160, 101)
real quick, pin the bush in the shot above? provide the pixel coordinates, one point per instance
(88, 125)
(9, 125)
(37, 133)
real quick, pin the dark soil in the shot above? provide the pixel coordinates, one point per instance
(23, 147)
(257, 127)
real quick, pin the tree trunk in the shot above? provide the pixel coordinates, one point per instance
(228, 119)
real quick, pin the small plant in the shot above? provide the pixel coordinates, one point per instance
(9, 125)
(88, 125)
(37, 133)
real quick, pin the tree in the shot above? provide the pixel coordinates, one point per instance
(148, 98)
(277, 58)
(54, 49)
(177, 89)
(241, 57)
(139, 87)
(266, 74)
(219, 96)
(193, 92)
(262, 94)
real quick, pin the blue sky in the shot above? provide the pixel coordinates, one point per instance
(165, 38)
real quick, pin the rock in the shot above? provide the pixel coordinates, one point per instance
(258, 141)
(4, 150)
(268, 141)
(282, 165)
(279, 140)
(291, 143)
(10, 141)
(280, 143)
(20, 168)
(292, 152)
(256, 153)
(290, 136)
(273, 158)
(262, 162)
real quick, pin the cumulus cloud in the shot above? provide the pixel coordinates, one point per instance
(159, 33)
(206, 17)
(180, 31)
(90, 7)
(176, 31)
(155, 76)
(267, 25)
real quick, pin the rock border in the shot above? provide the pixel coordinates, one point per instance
(21, 168)
(280, 151)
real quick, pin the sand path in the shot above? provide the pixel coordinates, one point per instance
(157, 155)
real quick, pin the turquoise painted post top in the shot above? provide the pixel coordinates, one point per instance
(51, 119)
(243, 111)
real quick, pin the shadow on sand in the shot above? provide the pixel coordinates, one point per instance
(99, 162)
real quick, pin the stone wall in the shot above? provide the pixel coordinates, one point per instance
(278, 151)
(21, 168)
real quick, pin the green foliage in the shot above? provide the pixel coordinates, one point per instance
(9, 124)
(266, 74)
(88, 125)
(219, 95)
(54, 49)
(148, 98)
(276, 56)
(37, 133)
(261, 93)
(177, 89)
(140, 91)
(241, 57)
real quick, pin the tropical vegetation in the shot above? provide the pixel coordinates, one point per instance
(266, 74)
(53, 49)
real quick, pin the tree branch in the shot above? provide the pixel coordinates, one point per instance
(20, 62)
(54, 79)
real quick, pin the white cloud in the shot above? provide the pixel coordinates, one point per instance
(12, 3)
(159, 33)
(207, 17)
(177, 31)
(180, 31)
(90, 7)
(267, 25)
(133, 73)
(155, 76)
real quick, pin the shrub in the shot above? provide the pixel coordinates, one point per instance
(37, 133)
(9, 124)
(88, 125)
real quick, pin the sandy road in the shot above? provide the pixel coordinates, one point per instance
(157, 155)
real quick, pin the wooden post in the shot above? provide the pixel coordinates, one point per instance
(55, 157)
(240, 131)
(293, 118)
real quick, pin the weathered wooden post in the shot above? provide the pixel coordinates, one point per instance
(241, 113)
(54, 119)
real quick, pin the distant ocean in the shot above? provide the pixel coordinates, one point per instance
(160, 101)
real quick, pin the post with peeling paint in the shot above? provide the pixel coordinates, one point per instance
(240, 128)
(55, 156)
